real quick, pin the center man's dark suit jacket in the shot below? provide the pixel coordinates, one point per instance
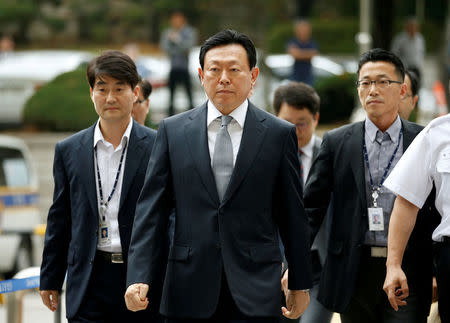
(72, 224)
(237, 236)
(339, 170)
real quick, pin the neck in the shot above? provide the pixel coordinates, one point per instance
(113, 131)
(383, 122)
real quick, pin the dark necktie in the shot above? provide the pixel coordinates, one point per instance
(300, 153)
(223, 157)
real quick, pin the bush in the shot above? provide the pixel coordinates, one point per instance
(336, 36)
(337, 97)
(63, 104)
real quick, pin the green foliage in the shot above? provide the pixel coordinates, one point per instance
(337, 97)
(332, 36)
(63, 104)
(12, 11)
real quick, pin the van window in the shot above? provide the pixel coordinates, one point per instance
(13, 168)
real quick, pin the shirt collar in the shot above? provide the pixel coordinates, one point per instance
(308, 148)
(393, 131)
(98, 135)
(238, 114)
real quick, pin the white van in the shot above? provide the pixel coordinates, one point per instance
(19, 211)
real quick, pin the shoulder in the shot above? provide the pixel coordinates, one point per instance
(82, 136)
(143, 131)
(345, 130)
(269, 120)
(411, 126)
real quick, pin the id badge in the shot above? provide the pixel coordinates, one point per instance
(104, 234)
(376, 221)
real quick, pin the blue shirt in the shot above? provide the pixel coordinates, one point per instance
(380, 147)
(302, 71)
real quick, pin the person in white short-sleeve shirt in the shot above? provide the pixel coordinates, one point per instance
(426, 162)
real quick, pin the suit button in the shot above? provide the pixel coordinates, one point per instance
(91, 261)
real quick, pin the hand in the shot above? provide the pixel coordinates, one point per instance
(136, 297)
(396, 286)
(50, 299)
(296, 302)
(435, 297)
(284, 282)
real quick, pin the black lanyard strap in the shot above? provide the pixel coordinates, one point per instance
(115, 181)
(388, 167)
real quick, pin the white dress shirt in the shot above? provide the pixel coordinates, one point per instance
(307, 157)
(426, 161)
(235, 127)
(108, 164)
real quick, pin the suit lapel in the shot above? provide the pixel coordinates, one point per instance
(354, 138)
(252, 138)
(86, 170)
(133, 160)
(196, 134)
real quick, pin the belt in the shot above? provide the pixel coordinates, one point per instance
(110, 257)
(376, 252)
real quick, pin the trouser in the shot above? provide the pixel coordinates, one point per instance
(226, 311)
(369, 303)
(443, 279)
(104, 302)
(179, 76)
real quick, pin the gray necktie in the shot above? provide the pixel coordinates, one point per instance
(223, 157)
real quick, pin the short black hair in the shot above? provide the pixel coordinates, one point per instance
(227, 37)
(115, 64)
(298, 95)
(146, 88)
(382, 55)
(415, 81)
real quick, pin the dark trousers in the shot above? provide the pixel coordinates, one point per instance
(179, 76)
(369, 303)
(443, 281)
(226, 311)
(104, 300)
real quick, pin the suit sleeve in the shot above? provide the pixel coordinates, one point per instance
(150, 229)
(319, 187)
(293, 226)
(57, 234)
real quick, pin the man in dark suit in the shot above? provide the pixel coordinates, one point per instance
(231, 172)
(98, 175)
(299, 104)
(352, 164)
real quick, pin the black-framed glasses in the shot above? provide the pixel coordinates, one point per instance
(381, 84)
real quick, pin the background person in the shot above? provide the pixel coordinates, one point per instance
(409, 101)
(409, 45)
(98, 175)
(142, 104)
(302, 48)
(299, 104)
(177, 42)
(215, 167)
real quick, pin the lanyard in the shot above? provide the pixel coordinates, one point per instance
(104, 205)
(376, 189)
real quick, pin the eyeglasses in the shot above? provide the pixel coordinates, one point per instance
(303, 125)
(407, 96)
(381, 84)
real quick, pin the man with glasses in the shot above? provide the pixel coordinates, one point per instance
(299, 104)
(352, 164)
(409, 100)
(142, 104)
